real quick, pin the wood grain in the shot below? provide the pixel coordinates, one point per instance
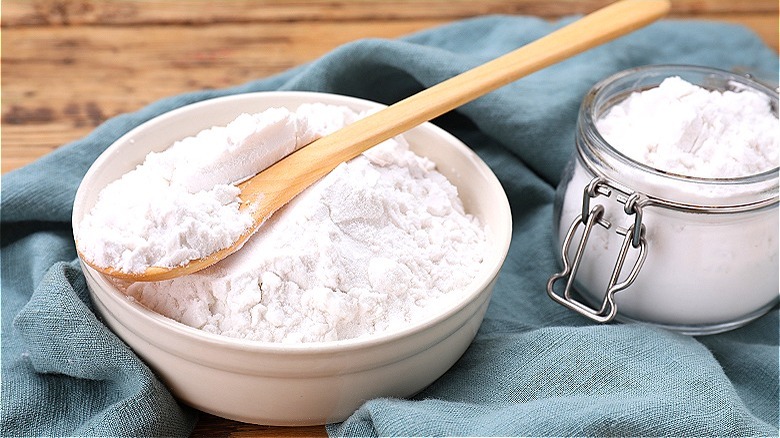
(145, 12)
(59, 84)
(68, 65)
(210, 426)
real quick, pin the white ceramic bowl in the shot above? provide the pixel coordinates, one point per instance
(302, 384)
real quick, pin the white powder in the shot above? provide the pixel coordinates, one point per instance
(181, 204)
(379, 243)
(703, 271)
(682, 128)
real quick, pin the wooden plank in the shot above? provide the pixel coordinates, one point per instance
(59, 84)
(41, 12)
(213, 426)
(73, 75)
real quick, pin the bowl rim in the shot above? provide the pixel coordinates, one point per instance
(478, 285)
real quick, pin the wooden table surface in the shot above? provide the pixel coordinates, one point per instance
(68, 65)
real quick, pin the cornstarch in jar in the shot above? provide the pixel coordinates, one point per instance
(682, 128)
(381, 242)
(693, 168)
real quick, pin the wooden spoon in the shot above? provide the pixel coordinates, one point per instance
(272, 188)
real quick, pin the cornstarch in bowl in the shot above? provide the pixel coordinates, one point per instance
(370, 248)
(371, 283)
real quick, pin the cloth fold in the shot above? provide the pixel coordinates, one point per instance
(84, 368)
(535, 368)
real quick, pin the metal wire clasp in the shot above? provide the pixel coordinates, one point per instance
(633, 237)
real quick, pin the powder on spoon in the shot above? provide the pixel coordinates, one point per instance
(182, 204)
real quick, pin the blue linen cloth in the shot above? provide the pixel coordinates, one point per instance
(535, 368)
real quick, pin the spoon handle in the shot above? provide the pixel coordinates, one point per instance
(272, 188)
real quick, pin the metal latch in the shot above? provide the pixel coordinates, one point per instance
(633, 238)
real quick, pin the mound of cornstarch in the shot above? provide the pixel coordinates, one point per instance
(381, 242)
(182, 204)
(682, 128)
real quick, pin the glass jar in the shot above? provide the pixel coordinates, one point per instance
(693, 255)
